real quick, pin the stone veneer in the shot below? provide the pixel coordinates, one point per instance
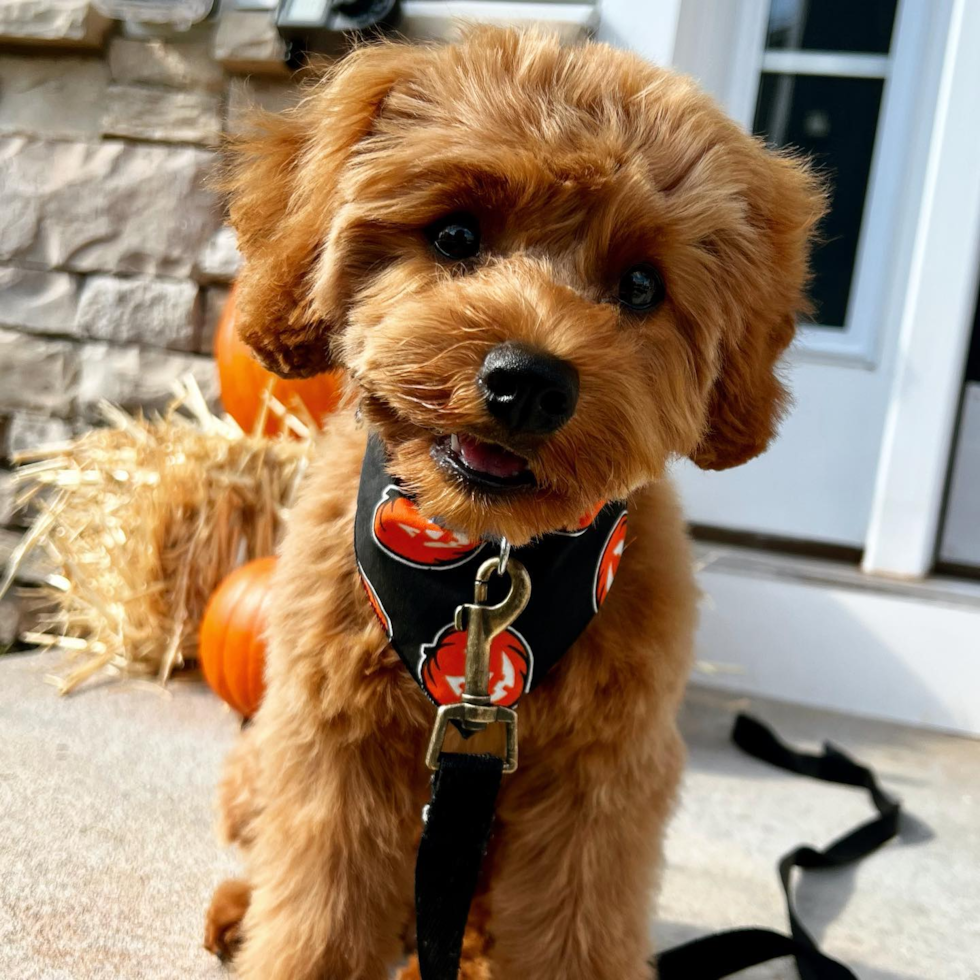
(114, 263)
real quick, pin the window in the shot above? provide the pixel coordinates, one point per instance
(823, 75)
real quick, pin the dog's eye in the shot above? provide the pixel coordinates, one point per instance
(456, 237)
(641, 287)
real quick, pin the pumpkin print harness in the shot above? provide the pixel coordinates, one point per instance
(417, 572)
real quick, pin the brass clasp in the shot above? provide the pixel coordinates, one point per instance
(482, 623)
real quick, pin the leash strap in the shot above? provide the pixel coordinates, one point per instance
(460, 817)
(454, 841)
(721, 955)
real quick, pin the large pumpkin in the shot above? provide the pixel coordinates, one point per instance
(231, 647)
(243, 381)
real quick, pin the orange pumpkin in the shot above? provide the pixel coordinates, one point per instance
(404, 533)
(243, 381)
(444, 667)
(231, 647)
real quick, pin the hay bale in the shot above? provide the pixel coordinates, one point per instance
(141, 520)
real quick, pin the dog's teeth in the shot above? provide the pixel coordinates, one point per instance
(454, 443)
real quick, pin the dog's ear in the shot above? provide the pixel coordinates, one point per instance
(785, 200)
(282, 177)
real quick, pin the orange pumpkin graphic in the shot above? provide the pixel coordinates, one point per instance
(444, 667)
(605, 573)
(405, 534)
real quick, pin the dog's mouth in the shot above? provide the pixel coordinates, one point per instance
(485, 465)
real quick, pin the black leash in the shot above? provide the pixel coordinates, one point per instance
(459, 822)
(454, 841)
(723, 954)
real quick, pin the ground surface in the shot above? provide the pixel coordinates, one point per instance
(107, 858)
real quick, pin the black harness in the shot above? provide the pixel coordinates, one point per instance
(475, 665)
(417, 573)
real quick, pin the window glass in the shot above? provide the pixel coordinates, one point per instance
(831, 25)
(833, 120)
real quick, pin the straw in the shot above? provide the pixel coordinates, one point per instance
(142, 519)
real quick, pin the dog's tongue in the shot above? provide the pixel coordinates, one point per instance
(485, 457)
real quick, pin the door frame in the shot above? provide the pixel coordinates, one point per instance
(937, 323)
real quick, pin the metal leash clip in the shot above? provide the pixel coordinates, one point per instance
(482, 623)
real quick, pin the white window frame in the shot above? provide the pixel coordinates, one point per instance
(649, 26)
(873, 288)
(425, 19)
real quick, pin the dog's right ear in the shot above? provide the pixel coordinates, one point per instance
(282, 178)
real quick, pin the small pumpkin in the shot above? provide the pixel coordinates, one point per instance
(444, 667)
(404, 533)
(231, 644)
(243, 381)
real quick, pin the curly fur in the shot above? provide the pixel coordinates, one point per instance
(578, 162)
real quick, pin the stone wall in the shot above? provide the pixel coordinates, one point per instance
(114, 263)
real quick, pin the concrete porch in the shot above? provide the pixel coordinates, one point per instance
(107, 859)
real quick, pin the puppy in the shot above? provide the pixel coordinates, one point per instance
(421, 208)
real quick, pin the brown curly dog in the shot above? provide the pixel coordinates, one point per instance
(421, 207)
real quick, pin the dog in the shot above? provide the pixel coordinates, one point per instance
(639, 264)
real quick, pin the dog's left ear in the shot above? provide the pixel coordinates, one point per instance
(283, 178)
(785, 201)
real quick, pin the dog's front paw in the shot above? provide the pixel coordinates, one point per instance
(473, 963)
(222, 923)
(469, 969)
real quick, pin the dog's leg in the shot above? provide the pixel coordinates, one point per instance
(331, 856)
(237, 807)
(578, 855)
(237, 803)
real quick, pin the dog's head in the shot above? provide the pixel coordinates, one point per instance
(548, 270)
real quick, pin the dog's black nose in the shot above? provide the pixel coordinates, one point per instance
(528, 391)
